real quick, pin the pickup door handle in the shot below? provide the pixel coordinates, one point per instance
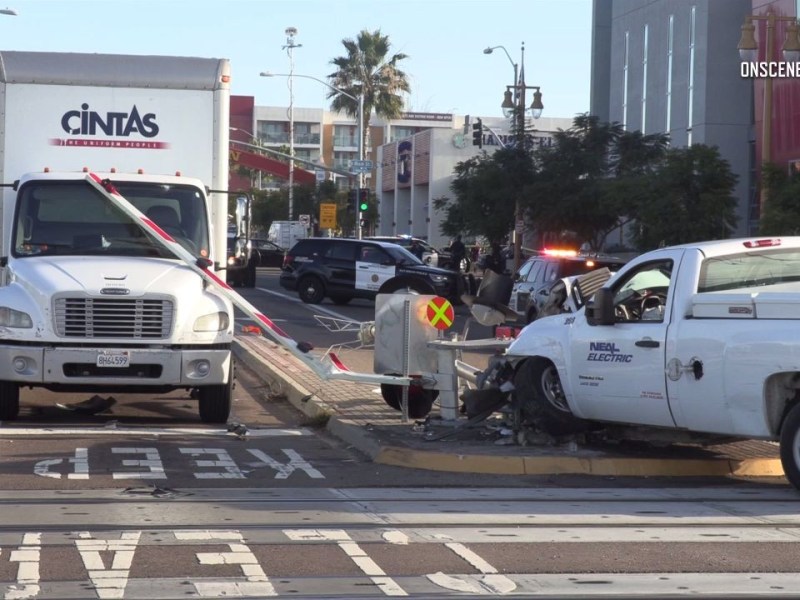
(647, 344)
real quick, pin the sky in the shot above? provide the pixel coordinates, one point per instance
(444, 40)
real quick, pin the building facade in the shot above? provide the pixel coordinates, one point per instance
(672, 66)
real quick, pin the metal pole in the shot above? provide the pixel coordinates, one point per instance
(520, 104)
(360, 157)
(290, 46)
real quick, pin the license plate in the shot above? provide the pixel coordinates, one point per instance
(110, 358)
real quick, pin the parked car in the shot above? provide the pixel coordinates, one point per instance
(266, 253)
(536, 276)
(342, 269)
(430, 255)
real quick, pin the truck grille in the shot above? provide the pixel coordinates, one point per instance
(127, 318)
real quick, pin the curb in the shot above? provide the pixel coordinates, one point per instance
(359, 437)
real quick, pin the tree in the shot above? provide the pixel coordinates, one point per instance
(591, 179)
(781, 214)
(691, 200)
(365, 71)
(483, 203)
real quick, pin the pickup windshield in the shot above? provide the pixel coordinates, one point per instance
(749, 269)
(72, 218)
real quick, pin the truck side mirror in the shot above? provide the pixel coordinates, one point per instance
(600, 310)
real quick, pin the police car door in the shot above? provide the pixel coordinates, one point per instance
(374, 266)
(618, 370)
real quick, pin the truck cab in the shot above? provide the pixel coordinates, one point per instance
(91, 301)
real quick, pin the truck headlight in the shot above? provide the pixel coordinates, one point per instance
(14, 318)
(439, 278)
(231, 260)
(217, 321)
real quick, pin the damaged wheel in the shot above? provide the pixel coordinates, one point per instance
(790, 446)
(540, 398)
(420, 400)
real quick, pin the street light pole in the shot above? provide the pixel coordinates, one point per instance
(289, 47)
(361, 149)
(515, 110)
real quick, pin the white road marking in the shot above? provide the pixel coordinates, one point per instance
(369, 567)
(152, 462)
(395, 537)
(28, 556)
(224, 461)
(111, 582)
(284, 470)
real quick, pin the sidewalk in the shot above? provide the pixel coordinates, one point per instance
(358, 415)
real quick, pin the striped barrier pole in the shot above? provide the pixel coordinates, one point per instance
(334, 369)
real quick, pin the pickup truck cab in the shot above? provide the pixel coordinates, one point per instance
(701, 337)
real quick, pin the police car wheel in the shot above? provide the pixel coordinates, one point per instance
(790, 446)
(311, 289)
(541, 401)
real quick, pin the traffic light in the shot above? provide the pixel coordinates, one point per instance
(477, 133)
(363, 199)
(352, 199)
(364, 223)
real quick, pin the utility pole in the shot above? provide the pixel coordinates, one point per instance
(289, 47)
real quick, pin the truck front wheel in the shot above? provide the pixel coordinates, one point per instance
(214, 401)
(9, 401)
(541, 401)
(790, 446)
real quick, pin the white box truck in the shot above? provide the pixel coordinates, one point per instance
(89, 301)
(287, 233)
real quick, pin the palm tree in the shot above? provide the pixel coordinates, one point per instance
(366, 71)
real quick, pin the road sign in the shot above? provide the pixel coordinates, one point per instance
(327, 216)
(305, 220)
(360, 166)
(440, 313)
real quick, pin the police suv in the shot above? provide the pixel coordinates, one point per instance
(342, 269)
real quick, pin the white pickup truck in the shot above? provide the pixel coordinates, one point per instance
(702, 338)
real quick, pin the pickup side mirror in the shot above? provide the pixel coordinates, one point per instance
(600, 310)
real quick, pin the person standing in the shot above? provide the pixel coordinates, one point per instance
(416, 249)
(457, 251)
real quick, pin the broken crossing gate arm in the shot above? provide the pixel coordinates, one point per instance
(331, 369)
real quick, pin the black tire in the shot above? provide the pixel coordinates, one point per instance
(539, 398)
(250, 275)
(214, 401)
(407, 286)
(311, 289)
(790, 446)
(340, 300)
(9, 401)
(420, 400)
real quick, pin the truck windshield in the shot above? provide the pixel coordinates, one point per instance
(73, 218)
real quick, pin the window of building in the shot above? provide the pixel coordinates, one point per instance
(345, 135)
